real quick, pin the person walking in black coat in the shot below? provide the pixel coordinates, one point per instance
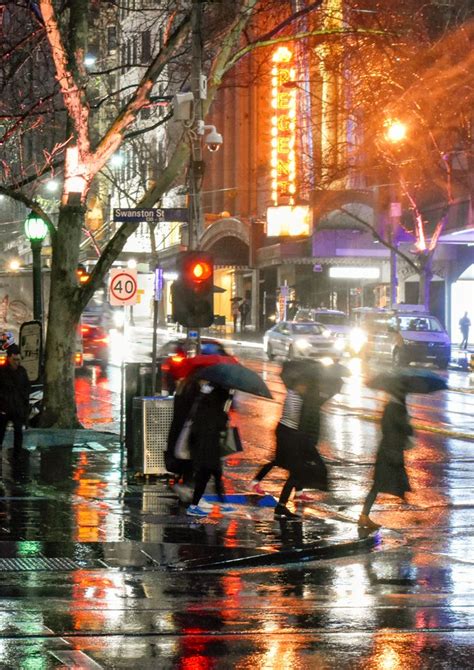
(14, 396)
(390, 475)
(209, 423)
(184, 403)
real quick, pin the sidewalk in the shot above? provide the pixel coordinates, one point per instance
(67, 494)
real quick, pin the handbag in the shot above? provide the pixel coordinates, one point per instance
(181, 448)
(230, 441)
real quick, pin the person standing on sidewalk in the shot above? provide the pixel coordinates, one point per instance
(244, 309)
(210, 421)
(14, 396)
(235, 313)
(464, 325)
(390, 475)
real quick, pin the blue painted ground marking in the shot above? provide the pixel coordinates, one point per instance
(244, 499)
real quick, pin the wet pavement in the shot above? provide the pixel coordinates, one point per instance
(100, 570)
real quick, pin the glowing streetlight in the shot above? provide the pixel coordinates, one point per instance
(14, 265)
(395, 131)
(36, 230)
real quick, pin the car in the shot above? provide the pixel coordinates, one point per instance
(334, 319)
(403, 335)
(171, 357)
(301, 339)
(95, 345)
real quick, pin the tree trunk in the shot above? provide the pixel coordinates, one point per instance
(64, 313)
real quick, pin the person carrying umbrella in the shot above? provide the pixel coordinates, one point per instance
(390, 475)
(319, 385)
(209, 422)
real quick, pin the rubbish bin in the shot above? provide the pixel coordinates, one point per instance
(137, 378)
(151, 423)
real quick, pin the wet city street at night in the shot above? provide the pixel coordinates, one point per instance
(101, 570)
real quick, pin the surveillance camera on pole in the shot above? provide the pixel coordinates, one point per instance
(213, 139)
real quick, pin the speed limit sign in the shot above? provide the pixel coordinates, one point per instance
(123, 287)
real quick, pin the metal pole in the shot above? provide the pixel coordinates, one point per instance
(196, 165)
(37, 288)
(154, 346)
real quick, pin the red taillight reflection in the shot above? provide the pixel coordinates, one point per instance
(3, 360)
(78, 358)
(85, 329)
(102, 340)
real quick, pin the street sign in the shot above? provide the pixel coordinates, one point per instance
(154, 215)
(123, 287)
(31, 344)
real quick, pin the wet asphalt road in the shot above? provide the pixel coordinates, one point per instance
(407, 605)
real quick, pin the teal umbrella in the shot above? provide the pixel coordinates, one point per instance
(235, 376)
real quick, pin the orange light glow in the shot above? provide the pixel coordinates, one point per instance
(395, 131)
(283, 128)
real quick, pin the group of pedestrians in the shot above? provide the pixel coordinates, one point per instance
(297, 435)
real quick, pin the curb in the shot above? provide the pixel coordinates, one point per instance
(317, 551)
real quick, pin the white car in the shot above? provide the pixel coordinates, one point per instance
(301, 339)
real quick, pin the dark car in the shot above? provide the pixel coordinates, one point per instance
(95, 345)
(171, 356)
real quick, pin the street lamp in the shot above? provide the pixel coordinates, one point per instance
(36, 230)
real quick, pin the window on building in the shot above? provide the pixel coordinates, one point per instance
(146, 46)
(111, 39)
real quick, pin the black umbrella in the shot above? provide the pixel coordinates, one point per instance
(416, 381)
(236, 298)
(235, 376)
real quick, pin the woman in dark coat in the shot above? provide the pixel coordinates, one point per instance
(210, 422)
(390, 475)
(186, 395)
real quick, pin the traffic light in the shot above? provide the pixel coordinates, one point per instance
(82, 275)
(193, 291)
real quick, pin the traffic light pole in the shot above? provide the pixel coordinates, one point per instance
(196, 162)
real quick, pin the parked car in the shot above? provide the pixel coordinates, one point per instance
(404, 335)
(95, 345)
(301, 339)
(172, 355)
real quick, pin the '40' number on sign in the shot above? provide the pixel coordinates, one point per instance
(124, 286)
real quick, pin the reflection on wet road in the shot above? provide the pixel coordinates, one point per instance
(83, 552)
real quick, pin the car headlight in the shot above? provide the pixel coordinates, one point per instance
(340, 344)
(302, 343)
(118, 319)
(357, 339)
(326, 334)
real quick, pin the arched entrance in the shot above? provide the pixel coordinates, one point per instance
(228, 242)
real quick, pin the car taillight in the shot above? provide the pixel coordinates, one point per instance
(178, 358)
(78, 358)
(3, 360)
(85, 329)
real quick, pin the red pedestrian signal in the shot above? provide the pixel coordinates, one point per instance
(193, 291)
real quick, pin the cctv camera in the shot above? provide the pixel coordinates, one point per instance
(213, 140)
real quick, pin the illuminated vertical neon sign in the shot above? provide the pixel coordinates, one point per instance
(283, 132)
